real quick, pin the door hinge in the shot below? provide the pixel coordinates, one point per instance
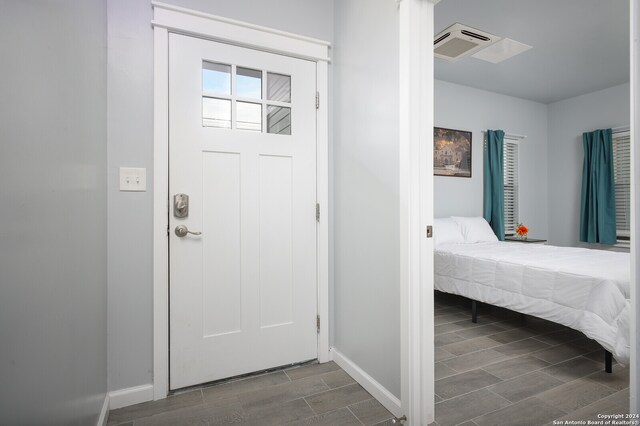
(318, 323)
(317, 100)
(429, 231)
(317, 212)
(168, 231)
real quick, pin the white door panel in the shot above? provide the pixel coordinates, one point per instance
(242, 294)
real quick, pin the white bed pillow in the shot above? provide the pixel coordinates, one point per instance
(446, 230)
(475, 229)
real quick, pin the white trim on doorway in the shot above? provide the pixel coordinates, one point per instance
(416, 94)
(172, 19)
(177, 19)
(634, 57)
(160, 213)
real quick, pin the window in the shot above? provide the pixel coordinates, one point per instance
(622, 180)
(510, 186)
(234, 97)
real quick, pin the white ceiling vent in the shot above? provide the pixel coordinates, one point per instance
(459, 40)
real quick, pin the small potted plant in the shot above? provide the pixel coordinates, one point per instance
(522, 231)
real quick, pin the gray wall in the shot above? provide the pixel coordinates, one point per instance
(130, 128)
(53, 285)
(466, 108)
(567, 120)
(366, 185)
(130, 246)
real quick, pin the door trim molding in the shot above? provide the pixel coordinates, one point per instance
(190, 22)
(416, 94)
(171, 19)
(634, 58)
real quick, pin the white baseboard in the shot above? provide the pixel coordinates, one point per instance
(130, 396)
(378, 391)
(104, 413)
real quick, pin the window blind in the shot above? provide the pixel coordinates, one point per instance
(510, 186)
(622, 179)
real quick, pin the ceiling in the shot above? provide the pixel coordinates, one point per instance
(579, 46)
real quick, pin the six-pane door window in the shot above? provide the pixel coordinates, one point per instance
(240, 98)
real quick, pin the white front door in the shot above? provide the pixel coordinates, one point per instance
(242, 147)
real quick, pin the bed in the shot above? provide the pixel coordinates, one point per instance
(584, 289)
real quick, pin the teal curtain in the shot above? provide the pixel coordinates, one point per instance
(494, 181)
(598, 207)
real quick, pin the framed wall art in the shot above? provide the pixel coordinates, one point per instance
(451, 152)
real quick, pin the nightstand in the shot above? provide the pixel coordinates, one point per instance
(527, 241)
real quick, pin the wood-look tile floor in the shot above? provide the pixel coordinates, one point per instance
(313, 394)
(510, 370)
(503, 370)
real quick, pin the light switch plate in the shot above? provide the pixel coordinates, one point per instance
(133, 179)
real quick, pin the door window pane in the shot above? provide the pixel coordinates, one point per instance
(249, 116)
(248, 83)
(216, 78)
(216, 112)
(278, 87)
(278, 120)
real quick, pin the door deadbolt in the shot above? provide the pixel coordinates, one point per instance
(181, 206)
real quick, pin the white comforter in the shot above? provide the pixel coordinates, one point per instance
(587, 290)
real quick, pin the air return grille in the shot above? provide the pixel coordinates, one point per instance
(459, 40)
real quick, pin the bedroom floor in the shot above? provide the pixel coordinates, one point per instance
(509, 370)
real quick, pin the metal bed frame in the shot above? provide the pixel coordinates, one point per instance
(608, 357)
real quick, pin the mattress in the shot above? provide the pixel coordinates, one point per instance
(584, 289)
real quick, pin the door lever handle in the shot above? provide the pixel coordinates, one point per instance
(182, 231)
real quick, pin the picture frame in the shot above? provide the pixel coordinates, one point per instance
(452, 152)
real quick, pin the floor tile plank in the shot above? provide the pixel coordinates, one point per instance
(333, 399)
(314, 369)
(573, 369)
(279, 394)
(464, 383)
(525, 386)
(279, 414)
(336, 379)
(575, 394)
(515, 367)
(475, 360)
(442, 371)
(471, 345)
(225, 390)
(341, 417)
(521, 347)
(592, 411)
(618, 379)
(466, 407)
(147, 409)
(370, 412)
(530, 412)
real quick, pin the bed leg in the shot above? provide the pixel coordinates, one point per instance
(474, 311)
(608, 361)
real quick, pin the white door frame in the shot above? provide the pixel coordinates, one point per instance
(172, 19)
(410, 31)
(416, 24)
(634, 57)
